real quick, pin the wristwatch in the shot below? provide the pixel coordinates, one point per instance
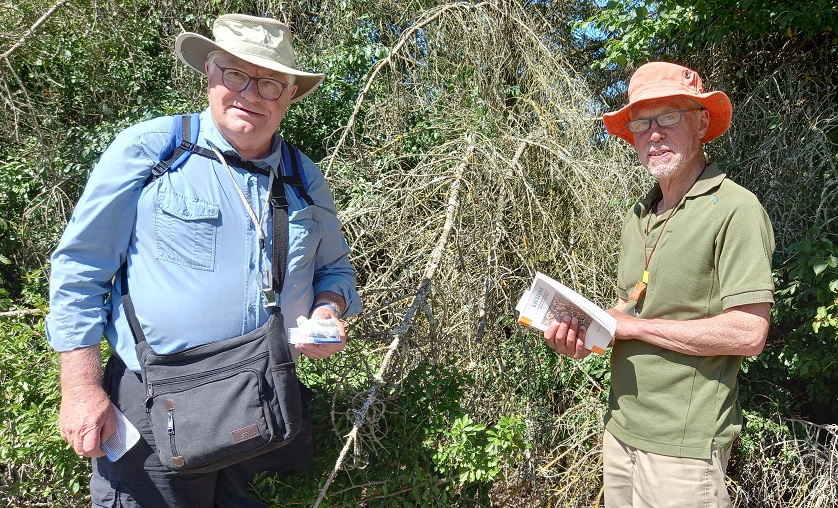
(327, 304)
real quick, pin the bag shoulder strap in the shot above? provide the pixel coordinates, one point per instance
(298, 177)
(279, 243)
(128, 308)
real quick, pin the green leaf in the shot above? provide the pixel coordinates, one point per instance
(820, 266)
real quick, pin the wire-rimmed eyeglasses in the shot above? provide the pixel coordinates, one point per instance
(664, 120)
(236, 81)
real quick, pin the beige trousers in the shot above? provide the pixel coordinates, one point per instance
(637, 479)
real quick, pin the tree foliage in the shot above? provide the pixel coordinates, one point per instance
(35, 464)
(803, 357)
(95, 68)
(635, 31)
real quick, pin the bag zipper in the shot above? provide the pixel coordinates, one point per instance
(202, 375)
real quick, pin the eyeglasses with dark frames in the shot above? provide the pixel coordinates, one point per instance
(237, 81)
(664, 120)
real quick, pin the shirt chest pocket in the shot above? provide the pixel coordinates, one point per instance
(185, 229)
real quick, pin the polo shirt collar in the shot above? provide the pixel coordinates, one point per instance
(709, 181)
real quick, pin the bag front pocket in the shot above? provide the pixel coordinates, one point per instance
(288, 398)
(192, 429)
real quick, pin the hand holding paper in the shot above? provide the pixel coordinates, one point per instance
(123, 439)
(549, 300)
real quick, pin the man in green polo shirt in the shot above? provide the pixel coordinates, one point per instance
(695, 293)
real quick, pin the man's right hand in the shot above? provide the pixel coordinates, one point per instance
(566, 337)
(86, 419)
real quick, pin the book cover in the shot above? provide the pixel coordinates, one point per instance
(548, 300)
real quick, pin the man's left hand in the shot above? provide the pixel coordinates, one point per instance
(318, 351)
(566, 337)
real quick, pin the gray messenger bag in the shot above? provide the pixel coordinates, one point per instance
(223, 402)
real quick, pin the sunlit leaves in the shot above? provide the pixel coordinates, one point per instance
(634, 31)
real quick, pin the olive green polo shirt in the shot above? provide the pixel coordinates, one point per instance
(714, 253)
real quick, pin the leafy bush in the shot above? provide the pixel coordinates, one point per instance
(780, 461)
(35, 464)
(802, 352)
(635, 31)
(423, 450)
(5, 300)
(471, 452)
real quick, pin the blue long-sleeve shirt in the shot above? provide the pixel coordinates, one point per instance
(195, 267)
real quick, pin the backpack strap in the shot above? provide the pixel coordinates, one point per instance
(232, 160)
(183, 143)
(298, 177)
(185, 130)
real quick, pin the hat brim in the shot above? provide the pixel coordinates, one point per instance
(716, 103)
(192, 49)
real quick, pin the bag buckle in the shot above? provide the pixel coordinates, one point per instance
(268, 298)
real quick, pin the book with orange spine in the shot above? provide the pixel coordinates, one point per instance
(549, 300)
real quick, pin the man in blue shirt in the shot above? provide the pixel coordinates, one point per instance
(197, 246)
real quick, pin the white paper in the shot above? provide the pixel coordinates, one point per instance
(548, 300)
(123, 439)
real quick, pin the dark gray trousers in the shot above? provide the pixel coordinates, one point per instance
(139, 479)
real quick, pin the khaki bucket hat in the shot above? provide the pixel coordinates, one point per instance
(264, 42)
(656, 80)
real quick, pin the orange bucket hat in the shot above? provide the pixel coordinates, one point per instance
(656, 80)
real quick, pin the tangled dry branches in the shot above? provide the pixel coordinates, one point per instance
(782, 139)
(470, 163)
(799, 468)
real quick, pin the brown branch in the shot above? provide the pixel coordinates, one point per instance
(25, 312)
(33, 29)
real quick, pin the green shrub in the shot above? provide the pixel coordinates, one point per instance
(802, 352)
(472, 453)
(780, 461)
(423, 449)
(35, 464)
